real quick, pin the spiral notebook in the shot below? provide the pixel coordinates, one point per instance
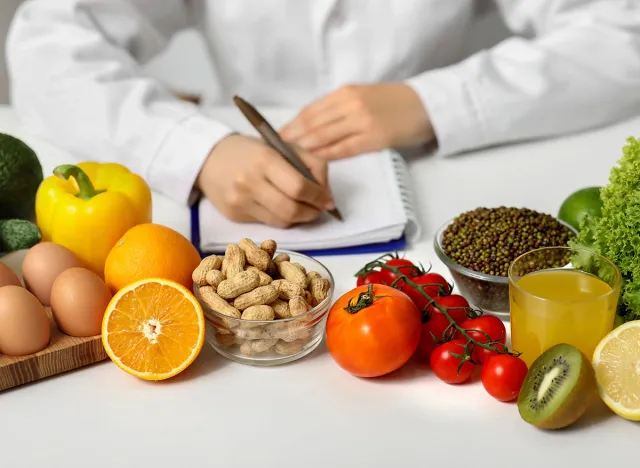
(373, 192)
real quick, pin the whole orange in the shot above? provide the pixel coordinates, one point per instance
(150, 251)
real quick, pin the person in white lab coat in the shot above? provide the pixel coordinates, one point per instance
(368, 74)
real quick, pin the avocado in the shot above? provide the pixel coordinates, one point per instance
(17, 234)
(20, 176)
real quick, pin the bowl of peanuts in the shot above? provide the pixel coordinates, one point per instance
(263, 306)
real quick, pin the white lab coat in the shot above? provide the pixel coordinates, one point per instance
(76, 78)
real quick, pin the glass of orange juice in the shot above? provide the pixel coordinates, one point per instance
(553, 302)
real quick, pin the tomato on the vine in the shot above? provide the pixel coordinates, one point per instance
(458, 307)
(406, 268)
(447, 367)
(430, 283)
(477, 327)
(373, 277)
(435, 326)
(482, 355)
(373, 330)
(502, 376)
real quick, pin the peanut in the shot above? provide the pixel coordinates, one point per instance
(292, 273)
(311, 275)
(215, 302)
(260, 346)
(262, 295)
(226, 341)
(255, 333)
(308, 297)
(298, 306)
(247, 349)
(258, 312)
(319, 288)
(287, 289)
(214, 278)
(255, 255)
(287, 348)
(264, 277)
(241, 283)
(282, 257)
(212, 262)
(280, 309)
(301, 266)
(236, 260)
(269, 246)
(223, 267)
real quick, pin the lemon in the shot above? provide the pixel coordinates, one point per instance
(616, 361)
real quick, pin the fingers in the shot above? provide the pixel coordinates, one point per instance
(294, 185)
(275, 208)
(317, 166)
(331, 133)
(349, 147)
(321, 112)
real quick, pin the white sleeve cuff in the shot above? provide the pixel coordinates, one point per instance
(456, 118)
(175, 168)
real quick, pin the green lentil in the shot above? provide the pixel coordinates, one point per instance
(487, 240)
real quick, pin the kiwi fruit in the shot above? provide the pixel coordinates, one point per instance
(558, 388)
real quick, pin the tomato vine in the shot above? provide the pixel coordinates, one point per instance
(402, 280)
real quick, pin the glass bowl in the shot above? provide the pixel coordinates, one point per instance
(270, 342)
(489, 293)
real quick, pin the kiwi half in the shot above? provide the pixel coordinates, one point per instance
(558, 388)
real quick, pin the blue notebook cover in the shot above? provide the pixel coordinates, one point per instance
(381, 247)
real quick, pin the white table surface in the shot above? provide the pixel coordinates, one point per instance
(311, 413)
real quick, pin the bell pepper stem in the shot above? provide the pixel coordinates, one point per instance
(86, 189)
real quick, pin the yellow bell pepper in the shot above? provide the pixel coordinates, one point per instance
(89, 206)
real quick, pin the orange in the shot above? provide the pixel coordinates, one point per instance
(153, 329)
(150, 251)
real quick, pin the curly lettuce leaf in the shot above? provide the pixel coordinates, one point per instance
(616, 233)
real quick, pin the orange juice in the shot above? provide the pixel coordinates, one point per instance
(560, 306)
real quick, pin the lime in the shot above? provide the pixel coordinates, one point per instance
(583, 202)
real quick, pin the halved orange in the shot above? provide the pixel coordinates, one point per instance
(153, 329)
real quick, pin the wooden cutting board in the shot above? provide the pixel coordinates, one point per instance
(63, 354)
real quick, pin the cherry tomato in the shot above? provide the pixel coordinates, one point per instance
(436, 325)
(374, 277)
(482, 355)
(407, 268)
(458, 305)
(433, 280)
(445, 366)
(377, 336)
(502, 376)
(489, 324)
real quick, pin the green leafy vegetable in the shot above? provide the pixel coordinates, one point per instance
(616, 233)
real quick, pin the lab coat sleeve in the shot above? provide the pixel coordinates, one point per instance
(76, 80)
(574, 65)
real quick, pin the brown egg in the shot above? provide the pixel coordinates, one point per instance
(8, 277)
(42, 265)
(79, 298)
(24, 325)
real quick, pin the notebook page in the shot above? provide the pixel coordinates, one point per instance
(366, 193)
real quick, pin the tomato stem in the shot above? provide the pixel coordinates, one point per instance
(402, 280)
(364, 300)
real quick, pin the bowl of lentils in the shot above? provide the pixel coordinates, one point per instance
(478, 246)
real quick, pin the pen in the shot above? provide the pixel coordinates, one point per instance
(273, 139)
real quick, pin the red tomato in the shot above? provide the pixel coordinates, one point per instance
(502, 376)
(458, 305)
(378, 338)
(436, 325)
(433, 280)
(374, 277)
(445, 366)
(489, 324)
(482, 355)
(407, 268)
